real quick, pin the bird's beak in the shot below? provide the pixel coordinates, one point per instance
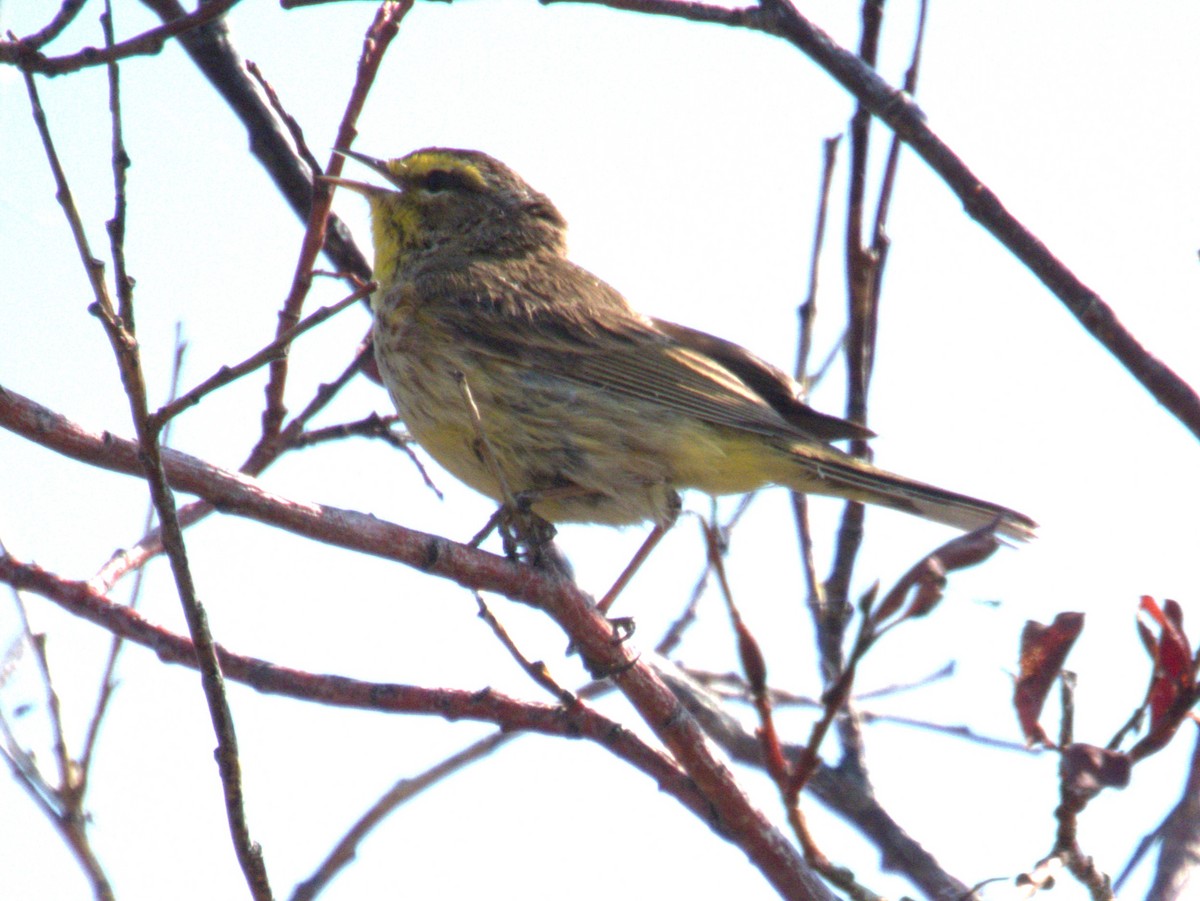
(360, 187)
(379, 166)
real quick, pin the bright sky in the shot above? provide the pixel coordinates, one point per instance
(686, 159)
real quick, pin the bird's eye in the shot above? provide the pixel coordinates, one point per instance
(439, 180)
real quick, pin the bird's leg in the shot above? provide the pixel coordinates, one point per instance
(656, 535)
(536, 533)
(519, 525)
(623, 626)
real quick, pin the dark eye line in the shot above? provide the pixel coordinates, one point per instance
(443, 180)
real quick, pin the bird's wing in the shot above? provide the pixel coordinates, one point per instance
(776, 387)
(565, 321)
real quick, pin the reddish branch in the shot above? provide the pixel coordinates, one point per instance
(840, 788)
(577, 720)
(730, 812)
(380, 34)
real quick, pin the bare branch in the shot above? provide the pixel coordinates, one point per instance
(711, 792)
(124, 344)
(24, 52)
(1176, 875)
(375, 44)
(65, 16)
(212, 50)
(399, 794)
(472, 568)
(273, 351)
(905, 118)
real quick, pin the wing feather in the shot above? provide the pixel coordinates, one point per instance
(565, 321)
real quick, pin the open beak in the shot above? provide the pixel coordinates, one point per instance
(361, 187)
(370, 162)
(358, 187)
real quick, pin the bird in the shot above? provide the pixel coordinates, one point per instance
(529, 378)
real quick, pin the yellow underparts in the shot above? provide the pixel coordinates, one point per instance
(393, 224)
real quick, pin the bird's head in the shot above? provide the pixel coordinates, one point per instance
(452, 203)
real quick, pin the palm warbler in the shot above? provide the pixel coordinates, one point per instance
(525, 375)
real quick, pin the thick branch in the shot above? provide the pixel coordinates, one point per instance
(509, 714)
(731, 811)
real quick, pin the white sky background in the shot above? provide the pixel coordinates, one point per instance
(686, 158)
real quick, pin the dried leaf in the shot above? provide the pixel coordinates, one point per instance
(1043, 651)
(928, 575)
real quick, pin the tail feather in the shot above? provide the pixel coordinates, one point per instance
(854, 479)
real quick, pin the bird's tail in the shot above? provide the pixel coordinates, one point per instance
(822, 472)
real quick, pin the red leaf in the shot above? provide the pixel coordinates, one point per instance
(1172, 688)
(1043, 651)
(1174, 651)
(928, 575)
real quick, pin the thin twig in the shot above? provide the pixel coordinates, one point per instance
(379, 35)
(776, 763)
(782, 773)
(24, 769)
(120, 167)
(107, 680)
(862, 316)
(905, 118)
(273, 351)
(125, 349)
(403, 791)
(944, 672)
(62, 804)
(817, 601)
(370, 426)
(966, 733)
(674, 633)
(535, 669)
(862, 301)
(65, 16)
(30, 60)
(834, 699)
(807, 312)
(293, 127)
(211, 48)
(150, 545)
(880, 243)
